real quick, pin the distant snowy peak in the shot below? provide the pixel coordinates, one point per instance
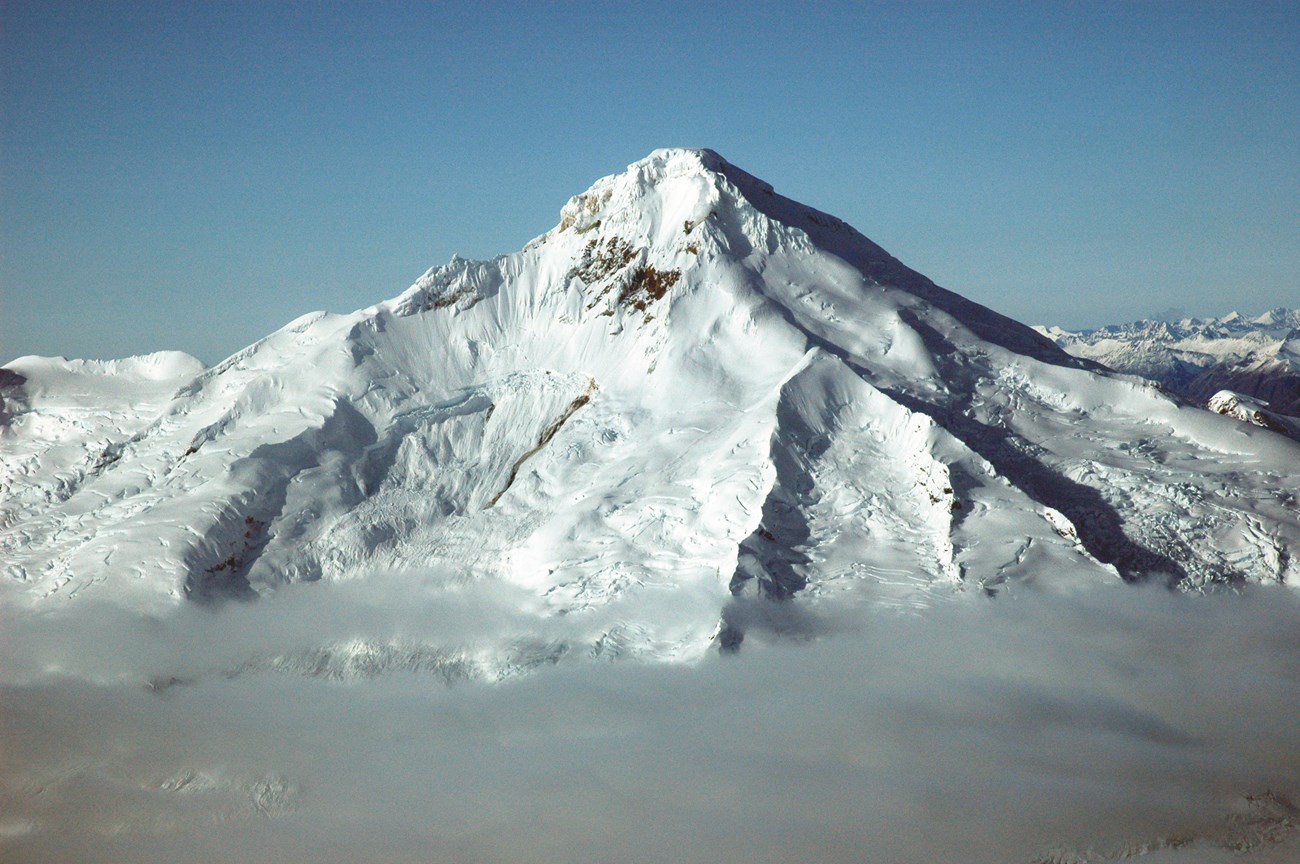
(1257, 357)
(1280, 317)
(1230, 338)
(689, 397)
(1274, 323)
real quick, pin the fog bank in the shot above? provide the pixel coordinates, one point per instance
(979, 731)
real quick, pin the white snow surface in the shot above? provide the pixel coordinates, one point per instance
(690, 391)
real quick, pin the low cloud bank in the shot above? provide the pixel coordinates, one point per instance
(979, 731)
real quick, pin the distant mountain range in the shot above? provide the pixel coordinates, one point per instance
(1249, 367)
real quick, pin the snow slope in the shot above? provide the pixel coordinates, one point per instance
(691, 392)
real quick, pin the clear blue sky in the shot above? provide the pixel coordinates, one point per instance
(193, 175)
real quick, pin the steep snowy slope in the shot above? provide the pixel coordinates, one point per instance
(692, 390)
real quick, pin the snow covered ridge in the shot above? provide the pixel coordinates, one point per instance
(690, 396)
(1257, 357)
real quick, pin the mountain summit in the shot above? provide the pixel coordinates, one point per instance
(690, 397)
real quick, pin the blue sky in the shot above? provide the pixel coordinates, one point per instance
(194, 175)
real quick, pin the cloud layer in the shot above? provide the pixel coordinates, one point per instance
(979, 731)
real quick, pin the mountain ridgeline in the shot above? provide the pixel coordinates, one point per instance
(1248, 368)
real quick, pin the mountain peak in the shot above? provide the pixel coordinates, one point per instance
(699, 157)
(678, 208)
(690, 384)
(670, 191)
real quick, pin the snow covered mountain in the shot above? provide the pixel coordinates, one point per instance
(1257, 358)
(690, 395)
(695, 413)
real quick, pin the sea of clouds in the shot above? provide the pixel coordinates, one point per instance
(1112, 721)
